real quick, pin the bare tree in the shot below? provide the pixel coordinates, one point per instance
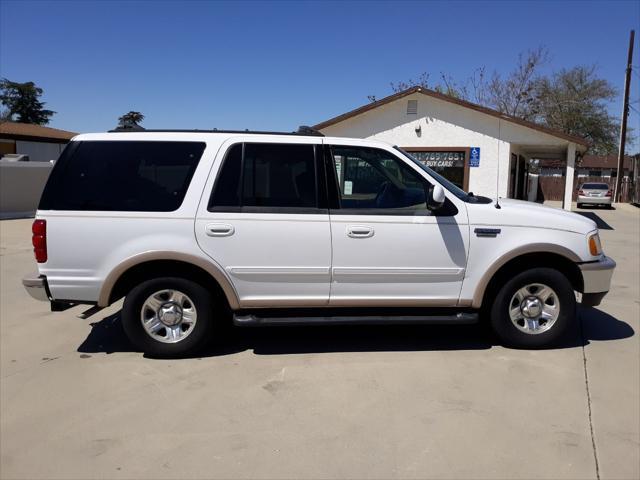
(571, 100)
(514, 94)
(5, 115)
(472, 89)
(478, 85)
(421, 81)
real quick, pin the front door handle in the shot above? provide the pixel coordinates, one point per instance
(359, 231)
(219, 230)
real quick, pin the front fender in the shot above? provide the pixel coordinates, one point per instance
(485, 261)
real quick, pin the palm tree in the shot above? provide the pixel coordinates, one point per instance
(130, 120)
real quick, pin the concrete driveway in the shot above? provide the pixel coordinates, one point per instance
(339, 402)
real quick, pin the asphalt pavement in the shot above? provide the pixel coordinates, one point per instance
(321, 402)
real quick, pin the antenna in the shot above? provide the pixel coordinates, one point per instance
(497, 204)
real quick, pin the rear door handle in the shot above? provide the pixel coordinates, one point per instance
(359, 231)
(219, 230)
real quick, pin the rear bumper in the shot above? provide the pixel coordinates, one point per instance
(595, 200)
(36, 286)
(596, 277)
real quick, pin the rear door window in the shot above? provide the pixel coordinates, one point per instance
(267, 177)
(122, 176)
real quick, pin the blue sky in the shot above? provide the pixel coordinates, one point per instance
(276, 65)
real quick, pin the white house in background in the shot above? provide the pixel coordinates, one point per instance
(42, 144)
(480, 149)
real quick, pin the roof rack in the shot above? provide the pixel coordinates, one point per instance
(302, 130)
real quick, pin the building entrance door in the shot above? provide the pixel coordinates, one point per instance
(518, 177)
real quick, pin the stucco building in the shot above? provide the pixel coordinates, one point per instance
(480, 149)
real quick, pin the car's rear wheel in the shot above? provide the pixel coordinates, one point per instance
(168, 316)
(534, 309)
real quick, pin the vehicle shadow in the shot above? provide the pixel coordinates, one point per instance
(598, 326)
(107, 336)
(600, 223)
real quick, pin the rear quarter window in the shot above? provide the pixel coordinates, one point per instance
(595, 186)
(122, 176)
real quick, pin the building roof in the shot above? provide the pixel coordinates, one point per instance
(591, 161)
(457, 101)
(37, 133)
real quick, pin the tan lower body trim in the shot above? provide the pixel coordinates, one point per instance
(208, 266)
(392, 302)
(517, 252)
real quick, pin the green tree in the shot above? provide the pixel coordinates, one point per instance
(22, 102)
(575, 101)
(130, 119)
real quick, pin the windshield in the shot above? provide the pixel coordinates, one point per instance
(457, 191)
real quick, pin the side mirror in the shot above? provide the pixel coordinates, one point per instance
(436, 198)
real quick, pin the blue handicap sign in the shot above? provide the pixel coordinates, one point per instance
(474, 161)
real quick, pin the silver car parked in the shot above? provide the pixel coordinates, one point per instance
(595, 194)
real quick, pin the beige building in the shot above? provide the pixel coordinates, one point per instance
(21, 183)
(41, 144)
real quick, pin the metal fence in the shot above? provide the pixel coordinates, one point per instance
(635, 175)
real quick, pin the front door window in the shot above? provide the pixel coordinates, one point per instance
(369, 178)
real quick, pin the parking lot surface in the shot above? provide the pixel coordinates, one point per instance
(321, 402)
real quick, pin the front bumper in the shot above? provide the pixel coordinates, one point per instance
(596, 279)
(36, 286)
(594, 200)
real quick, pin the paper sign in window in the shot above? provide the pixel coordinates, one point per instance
(348, 187)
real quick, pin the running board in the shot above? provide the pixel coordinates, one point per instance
(458, 319)
(91, 311)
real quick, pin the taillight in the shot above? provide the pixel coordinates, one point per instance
(39, 240)
(609, 193)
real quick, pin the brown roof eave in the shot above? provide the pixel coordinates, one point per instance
(29, 138)
(457, 101)
(29, 131)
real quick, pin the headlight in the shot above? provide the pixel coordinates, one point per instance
(595, 247)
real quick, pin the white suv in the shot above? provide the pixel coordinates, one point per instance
(191, 227)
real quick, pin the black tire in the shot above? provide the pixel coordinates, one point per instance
(579, 205)
(505, 329)
(199, 296)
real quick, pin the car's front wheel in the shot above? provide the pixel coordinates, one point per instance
(534, 308)
(168, 316)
